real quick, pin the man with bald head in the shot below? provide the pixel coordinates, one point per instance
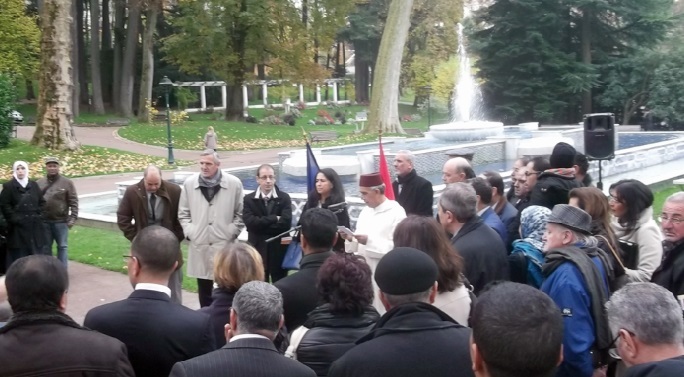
(457, 169)
(153, 201)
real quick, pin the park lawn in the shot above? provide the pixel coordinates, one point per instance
(105, 249)
(659, 199)
(249, 136)
(87, 161)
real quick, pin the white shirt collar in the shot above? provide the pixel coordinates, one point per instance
(480, 212)
(153, 287)
(261, 195)
(248, 336)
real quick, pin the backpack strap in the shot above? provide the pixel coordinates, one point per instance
(612, 250)
(295, 339)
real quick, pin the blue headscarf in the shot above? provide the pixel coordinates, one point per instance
(533, 221)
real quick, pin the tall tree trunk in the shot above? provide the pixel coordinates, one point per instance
(586, 55)
(361, 80)
(98, 105)
(384, 106)
(106, 26)
(119, 38)
(74, 58)
(30, 92)
(83, 97)
(235, 108)
(127, 78)
(54, 123)
(147, 76)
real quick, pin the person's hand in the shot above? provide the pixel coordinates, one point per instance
(362, 238)
(70, 224)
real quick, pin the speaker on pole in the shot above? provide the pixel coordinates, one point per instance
(599, 136)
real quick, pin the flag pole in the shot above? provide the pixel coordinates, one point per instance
(306, 138)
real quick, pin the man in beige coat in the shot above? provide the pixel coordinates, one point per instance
(210, 213)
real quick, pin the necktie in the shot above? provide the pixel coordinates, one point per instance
(153, 202)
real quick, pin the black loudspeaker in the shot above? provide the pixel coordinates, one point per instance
(599, 136)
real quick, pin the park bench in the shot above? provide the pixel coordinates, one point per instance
(118, 122)
(413, 131)
(323, 136)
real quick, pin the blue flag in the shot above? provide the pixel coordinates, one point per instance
(311, 168)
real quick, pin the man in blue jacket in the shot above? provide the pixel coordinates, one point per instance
(575, 278)
(484, 207)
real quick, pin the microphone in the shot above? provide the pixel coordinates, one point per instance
(337, 206)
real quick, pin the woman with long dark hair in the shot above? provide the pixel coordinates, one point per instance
(631, 203)
(595, 203)
(425, 234)
(347, 314)
(329, 191)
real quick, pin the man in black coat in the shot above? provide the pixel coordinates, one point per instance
(482, 249)
(157, 332)
(670, 273)
(255, 319)
(413, 338)
(413, 192)
(300, 295)
(267, 212)
(40, 340)
(554, 184)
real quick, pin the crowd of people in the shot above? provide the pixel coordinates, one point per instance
(551, 278)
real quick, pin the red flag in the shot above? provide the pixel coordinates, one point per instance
(384, 172)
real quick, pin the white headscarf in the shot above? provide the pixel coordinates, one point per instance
(23, 182)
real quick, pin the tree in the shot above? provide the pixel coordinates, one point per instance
(54, 122)
(384, 106)
(127, 78)
(147, 76)
(19, 40)
(666, 97)
(96, 79)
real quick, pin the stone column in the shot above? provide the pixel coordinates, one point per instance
(224, 97)
(203, 98)
(318, 93)
(245, 96)
(335, 91)
(264, 86)
(301, 93)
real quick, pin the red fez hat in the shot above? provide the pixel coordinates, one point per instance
(370, 180)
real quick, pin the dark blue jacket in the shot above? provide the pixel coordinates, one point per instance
(493, 221)
(567, 288)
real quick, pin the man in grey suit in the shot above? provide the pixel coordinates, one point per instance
(255, 318)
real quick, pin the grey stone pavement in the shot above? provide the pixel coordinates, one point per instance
(91, 286)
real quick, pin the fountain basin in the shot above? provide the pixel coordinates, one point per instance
(466, 131)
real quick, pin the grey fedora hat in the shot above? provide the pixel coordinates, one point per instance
(571, 218)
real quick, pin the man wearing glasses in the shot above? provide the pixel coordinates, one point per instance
(267, 212)
(670, 274)
(648, 328)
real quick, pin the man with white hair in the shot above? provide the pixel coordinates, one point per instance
(412, 191)
(649, 331)
(576, 280)
(670, 273)
(457, 169)
(374, 233)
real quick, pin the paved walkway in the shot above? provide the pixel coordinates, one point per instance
(91, 286)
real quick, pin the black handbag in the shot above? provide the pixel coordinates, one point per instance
(629, 251)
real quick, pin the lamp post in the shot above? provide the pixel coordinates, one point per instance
(167, 85)
(428, 90)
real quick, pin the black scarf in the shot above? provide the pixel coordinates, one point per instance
(20, 319)
(403, 180)
(581, 257)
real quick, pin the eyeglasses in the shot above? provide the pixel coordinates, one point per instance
(126, 258)
(267, 178)
(612, 198)
(674, 220)
(529, 173)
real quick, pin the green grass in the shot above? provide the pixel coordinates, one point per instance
(105, 249)
(87, 161)
(660, 196)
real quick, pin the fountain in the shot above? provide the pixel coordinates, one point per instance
(468, 123)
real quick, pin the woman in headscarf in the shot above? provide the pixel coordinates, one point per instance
(22, 203)
(533, 221)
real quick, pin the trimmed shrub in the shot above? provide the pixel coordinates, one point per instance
(8, 98)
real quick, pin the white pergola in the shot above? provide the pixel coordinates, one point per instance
(334, 83)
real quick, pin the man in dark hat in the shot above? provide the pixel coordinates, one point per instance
(413, 338)
(576, 279)
(61, 208)
(375, 226)
(554, 184)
